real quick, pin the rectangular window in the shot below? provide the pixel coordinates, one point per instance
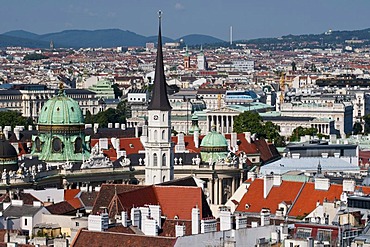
(304, 232)
(323, 235)
(25, 222)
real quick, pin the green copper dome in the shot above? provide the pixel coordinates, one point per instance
(213, 147)
(213, 140)
(61, 135)
(61, 110)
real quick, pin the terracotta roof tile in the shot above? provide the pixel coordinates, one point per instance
(167, 198)
(88, 198)
(107, 191)
(61, 208)
(308, 198)
(172, 205)
(113, 239)
(168, 227)
(287, 191)
(70, 194)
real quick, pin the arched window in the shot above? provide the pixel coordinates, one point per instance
(57, 145)
(155, 137)
(38, 144)
(78, 145)
(164, 178)
(155, 159)
(163, 134)
(164, 160)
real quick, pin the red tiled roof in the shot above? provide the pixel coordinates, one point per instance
(76, 203)
(172, 204)
(131, 145)
(70, 194)
(287, 191)
(107, 192)
(113, 239)
(189, 143)
(248, 148)
(168, 227)
(308, 198)
(61, 208)
(167, 198)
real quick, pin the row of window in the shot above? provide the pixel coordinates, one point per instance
(155, 159)
(57, 145)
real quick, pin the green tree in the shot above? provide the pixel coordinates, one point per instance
(14, 118)
(357, 128)
(248, 121)
(270, 131)
(110, 115)
(34, 56)
(300, 131)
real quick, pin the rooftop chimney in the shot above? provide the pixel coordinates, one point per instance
(265, 217)
(322, 183)
(349, 185)
(248, 136)
(180, 230)
(136, 217)
(156, 213)
(208, 225)
(268, 182)
(225, 219)
(195, 220)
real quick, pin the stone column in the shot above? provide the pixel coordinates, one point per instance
(227, 124)
(216, 192)
(232, 124)
(220, 191)
(232, 186)
(210, 189)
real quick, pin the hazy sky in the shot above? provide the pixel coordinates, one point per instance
(249, 18)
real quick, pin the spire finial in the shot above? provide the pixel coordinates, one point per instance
(160, 16)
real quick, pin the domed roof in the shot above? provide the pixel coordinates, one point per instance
(6, 149)
(61, 110)
(214, 139)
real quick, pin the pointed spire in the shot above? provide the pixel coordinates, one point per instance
(159, 97)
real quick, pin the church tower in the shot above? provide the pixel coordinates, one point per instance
(159, 148)
(187, 59)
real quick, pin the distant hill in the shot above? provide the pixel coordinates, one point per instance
(16, 41)
(199, 39)
(22, 34)
(96, 38)
(327, 39)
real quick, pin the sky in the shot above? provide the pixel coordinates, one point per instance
(249, 18)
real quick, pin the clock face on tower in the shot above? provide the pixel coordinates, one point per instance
(155, 117)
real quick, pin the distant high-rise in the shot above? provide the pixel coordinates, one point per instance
(231, 35)
(51, 45)
(201, 60)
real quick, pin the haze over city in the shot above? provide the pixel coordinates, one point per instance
(250, 19)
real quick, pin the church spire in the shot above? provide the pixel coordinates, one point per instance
(159, 97)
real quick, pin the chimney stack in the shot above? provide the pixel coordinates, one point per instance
(195, 220)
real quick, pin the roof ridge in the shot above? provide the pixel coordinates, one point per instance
(296, 198)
